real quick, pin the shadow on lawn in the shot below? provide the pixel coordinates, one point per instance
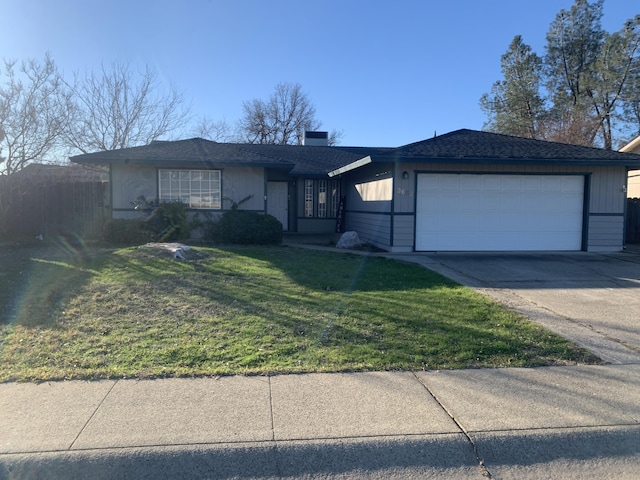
(328, 271)
(264, 309)
(36, 277)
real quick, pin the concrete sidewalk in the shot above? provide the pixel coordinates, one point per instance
(552, 422)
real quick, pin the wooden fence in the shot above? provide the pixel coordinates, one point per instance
(53, 208)
(633, 220)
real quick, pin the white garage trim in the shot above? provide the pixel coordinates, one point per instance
(498, 212)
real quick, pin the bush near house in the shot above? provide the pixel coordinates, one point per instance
(120, 231)
(166, 222)
(244, 227)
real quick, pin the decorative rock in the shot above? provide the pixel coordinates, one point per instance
(349, 240)
(177, 250)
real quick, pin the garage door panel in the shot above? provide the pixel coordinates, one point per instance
(467, 212)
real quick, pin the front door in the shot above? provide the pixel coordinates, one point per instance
(278, 202)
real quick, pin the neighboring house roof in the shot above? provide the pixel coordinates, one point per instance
(40, 172)
(468, 146)
(633, 182)
(633, 146)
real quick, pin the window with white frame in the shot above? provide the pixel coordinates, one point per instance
(195, 188)
(308, 198)
(321, 198)
(335, 197)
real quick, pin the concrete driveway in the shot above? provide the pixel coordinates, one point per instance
(592, 299)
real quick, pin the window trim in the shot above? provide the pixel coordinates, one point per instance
(309, 197)
(212, 191)
(321, 198)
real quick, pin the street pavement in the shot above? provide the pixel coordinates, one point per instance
(573, 422)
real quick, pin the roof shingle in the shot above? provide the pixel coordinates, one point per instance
(471, 144)
(458, 146)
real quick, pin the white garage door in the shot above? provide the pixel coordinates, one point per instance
(462, 212)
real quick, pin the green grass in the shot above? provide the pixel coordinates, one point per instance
(74, 313)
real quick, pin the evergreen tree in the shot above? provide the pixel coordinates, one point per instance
(591, 78)
(514, 106)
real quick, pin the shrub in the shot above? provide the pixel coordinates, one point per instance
(168, 222)
(125, 232)
(244, 227)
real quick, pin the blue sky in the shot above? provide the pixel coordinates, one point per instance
(386, 73)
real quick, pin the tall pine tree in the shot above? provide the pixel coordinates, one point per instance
(514, 106)
(591, 79)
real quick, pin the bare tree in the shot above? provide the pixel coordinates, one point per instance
(280, 120)
(573, 127)
(33, 109)
(219, 131)
(114, 108)
(335, 137)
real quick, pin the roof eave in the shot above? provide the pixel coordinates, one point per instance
(351, 166)
(632, 145)
(182, 162)
(515, 160)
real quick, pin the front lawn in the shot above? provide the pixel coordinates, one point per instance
(72, 312)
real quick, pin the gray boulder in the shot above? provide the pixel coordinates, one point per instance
(349, 240)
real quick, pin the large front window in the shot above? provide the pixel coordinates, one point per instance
(194, 188)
